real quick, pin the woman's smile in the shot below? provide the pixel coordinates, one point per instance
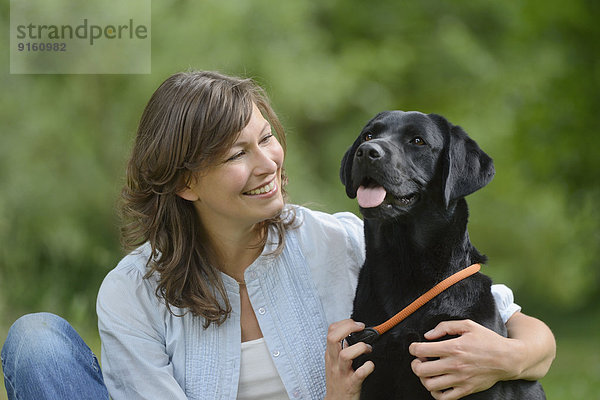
(266, 191)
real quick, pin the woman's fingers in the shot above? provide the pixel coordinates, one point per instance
(425, 369)
(434, 381)
(426, 350)
(343, 382)
(350, 353)
(441, 387)
(449, 394)
(364, 371)
(443, 348)
(449, 328)
(338, 331)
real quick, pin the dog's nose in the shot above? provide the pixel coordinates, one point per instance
(370, 150)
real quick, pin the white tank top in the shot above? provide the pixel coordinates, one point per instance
(259, 379)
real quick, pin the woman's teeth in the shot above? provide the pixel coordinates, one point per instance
(264, 189)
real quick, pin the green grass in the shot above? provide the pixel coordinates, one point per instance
(574, 375)
(576, 372)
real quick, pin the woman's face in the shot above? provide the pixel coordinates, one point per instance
(244, 188)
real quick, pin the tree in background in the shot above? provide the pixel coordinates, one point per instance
(520, 77)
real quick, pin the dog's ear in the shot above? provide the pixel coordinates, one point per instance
(465, 167)
(346, 168)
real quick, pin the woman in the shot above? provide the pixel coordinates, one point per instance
(232, 293)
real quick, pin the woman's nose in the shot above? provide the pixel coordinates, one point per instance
(266, 162)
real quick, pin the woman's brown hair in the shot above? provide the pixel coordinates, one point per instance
(189, 123)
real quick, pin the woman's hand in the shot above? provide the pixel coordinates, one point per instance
(467, 364)
(342, 381)
(479, 357)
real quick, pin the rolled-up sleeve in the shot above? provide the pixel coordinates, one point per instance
(505, 301)
(135, 363)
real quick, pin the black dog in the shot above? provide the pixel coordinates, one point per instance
(411, 172)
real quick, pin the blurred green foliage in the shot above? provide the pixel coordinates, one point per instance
(522, 78)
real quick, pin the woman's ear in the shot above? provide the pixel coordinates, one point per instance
(188, 194)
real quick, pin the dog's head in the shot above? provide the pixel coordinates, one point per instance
(401, 160)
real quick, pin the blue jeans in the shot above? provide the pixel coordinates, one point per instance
(44, 358)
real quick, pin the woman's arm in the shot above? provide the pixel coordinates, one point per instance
(135, 363)
(536, 346)
(479, 357)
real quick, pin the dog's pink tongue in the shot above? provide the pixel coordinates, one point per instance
(370, 197)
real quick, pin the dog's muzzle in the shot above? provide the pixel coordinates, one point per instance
(370, 152)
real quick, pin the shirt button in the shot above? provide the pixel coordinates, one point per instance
(296, 394)
(276, 353)
(262, 311)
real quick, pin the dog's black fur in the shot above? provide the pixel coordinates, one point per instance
(416, 238)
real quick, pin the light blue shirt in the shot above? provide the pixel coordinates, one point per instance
(149, 353)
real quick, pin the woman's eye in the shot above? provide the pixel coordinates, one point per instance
(418, 141)
(235, 156)
(368, 136)
(267, 138)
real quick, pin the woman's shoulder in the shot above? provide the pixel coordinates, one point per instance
(129, 276)
(135, 263)
(339, 220)
(318, 229)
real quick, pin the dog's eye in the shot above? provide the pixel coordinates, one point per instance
(368, 136)
(418, 141)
